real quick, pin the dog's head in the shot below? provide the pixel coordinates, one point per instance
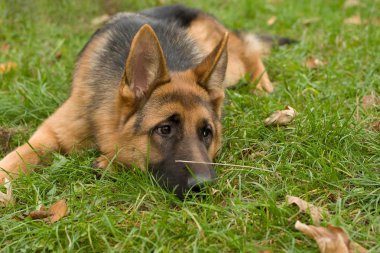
(169, 118)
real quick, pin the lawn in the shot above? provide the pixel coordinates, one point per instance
(328, 156)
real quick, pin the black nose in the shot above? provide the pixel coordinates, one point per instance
(197, 182)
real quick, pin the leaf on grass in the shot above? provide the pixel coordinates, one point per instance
(5, 47)
(40, 214)
(6, 199)
(354, 20)
(7, 67)
(375, 126)
(351, 3)
(100, 20)
(58, 55)
(271, 20)
(5, 137)
(281, 118)
(313, 63)
(310, 21)
(330, 239)
(316, 213)
(370, 101)
(58, 210)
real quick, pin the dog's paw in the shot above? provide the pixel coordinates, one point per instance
(100, 163)
(265, 85)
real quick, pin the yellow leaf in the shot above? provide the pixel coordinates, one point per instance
(313, 63)
(281, 118)
(271, 20)
(354, 20)
(316, 213)
(100, 20)
(6, 67)
(7, 198)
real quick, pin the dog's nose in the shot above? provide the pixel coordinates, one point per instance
(197, 182)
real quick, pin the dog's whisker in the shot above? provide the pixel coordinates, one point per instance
(225, 164)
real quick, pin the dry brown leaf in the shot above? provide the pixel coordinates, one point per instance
(351, 3)
(281, 118)
(375, 126)
(313, 63)
(7, 67)
(5, 47)
(58, 55)
(316, 213)
(58, 210)
(310, 21)
(6, 199)
(40, 214)
(370, 101)
(330, 239)
(100, 20)
(354, 20)
(271, 20)
(5, 137)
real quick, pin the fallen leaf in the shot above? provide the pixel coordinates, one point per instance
(5, 47)
(370, 101)
(310, 21)
(58, 55)
(7, 67)
(40, 214)
(316, 213)
(375, 126)
(5, 137)
(351, 3)
(58, 210)
(354, 20)
(271, 20)
(281, 118)
(313, 63)
(330, 239)
(100, 20)
(6, 199)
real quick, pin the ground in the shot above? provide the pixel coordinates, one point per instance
(329, 155)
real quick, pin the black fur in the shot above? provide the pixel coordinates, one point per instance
(179, 14)
(180, 51)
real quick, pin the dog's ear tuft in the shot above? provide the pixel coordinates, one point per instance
(211, 72)
(145, 68)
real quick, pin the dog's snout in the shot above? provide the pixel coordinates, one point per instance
(197, 181)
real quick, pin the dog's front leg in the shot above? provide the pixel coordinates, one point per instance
(64, 130)
(42, 142)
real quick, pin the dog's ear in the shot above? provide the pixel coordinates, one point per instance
(210, 73)
(145, 68)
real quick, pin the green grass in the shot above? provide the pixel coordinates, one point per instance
(328, 156)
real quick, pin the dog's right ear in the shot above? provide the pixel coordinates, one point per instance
(145, 68)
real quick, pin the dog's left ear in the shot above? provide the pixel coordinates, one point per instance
(145, 67)
(211, 72)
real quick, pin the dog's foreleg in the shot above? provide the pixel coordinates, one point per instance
(42, 142)
(61, 132)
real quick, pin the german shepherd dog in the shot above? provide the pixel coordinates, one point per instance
(148, 91)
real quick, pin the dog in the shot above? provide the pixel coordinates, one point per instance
(148, 91)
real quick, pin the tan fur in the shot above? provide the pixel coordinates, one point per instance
(244, 54)
(68, 129)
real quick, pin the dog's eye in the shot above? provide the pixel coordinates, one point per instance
(164, 130)
(206, 132)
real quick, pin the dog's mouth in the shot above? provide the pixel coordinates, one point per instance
(181, 180)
